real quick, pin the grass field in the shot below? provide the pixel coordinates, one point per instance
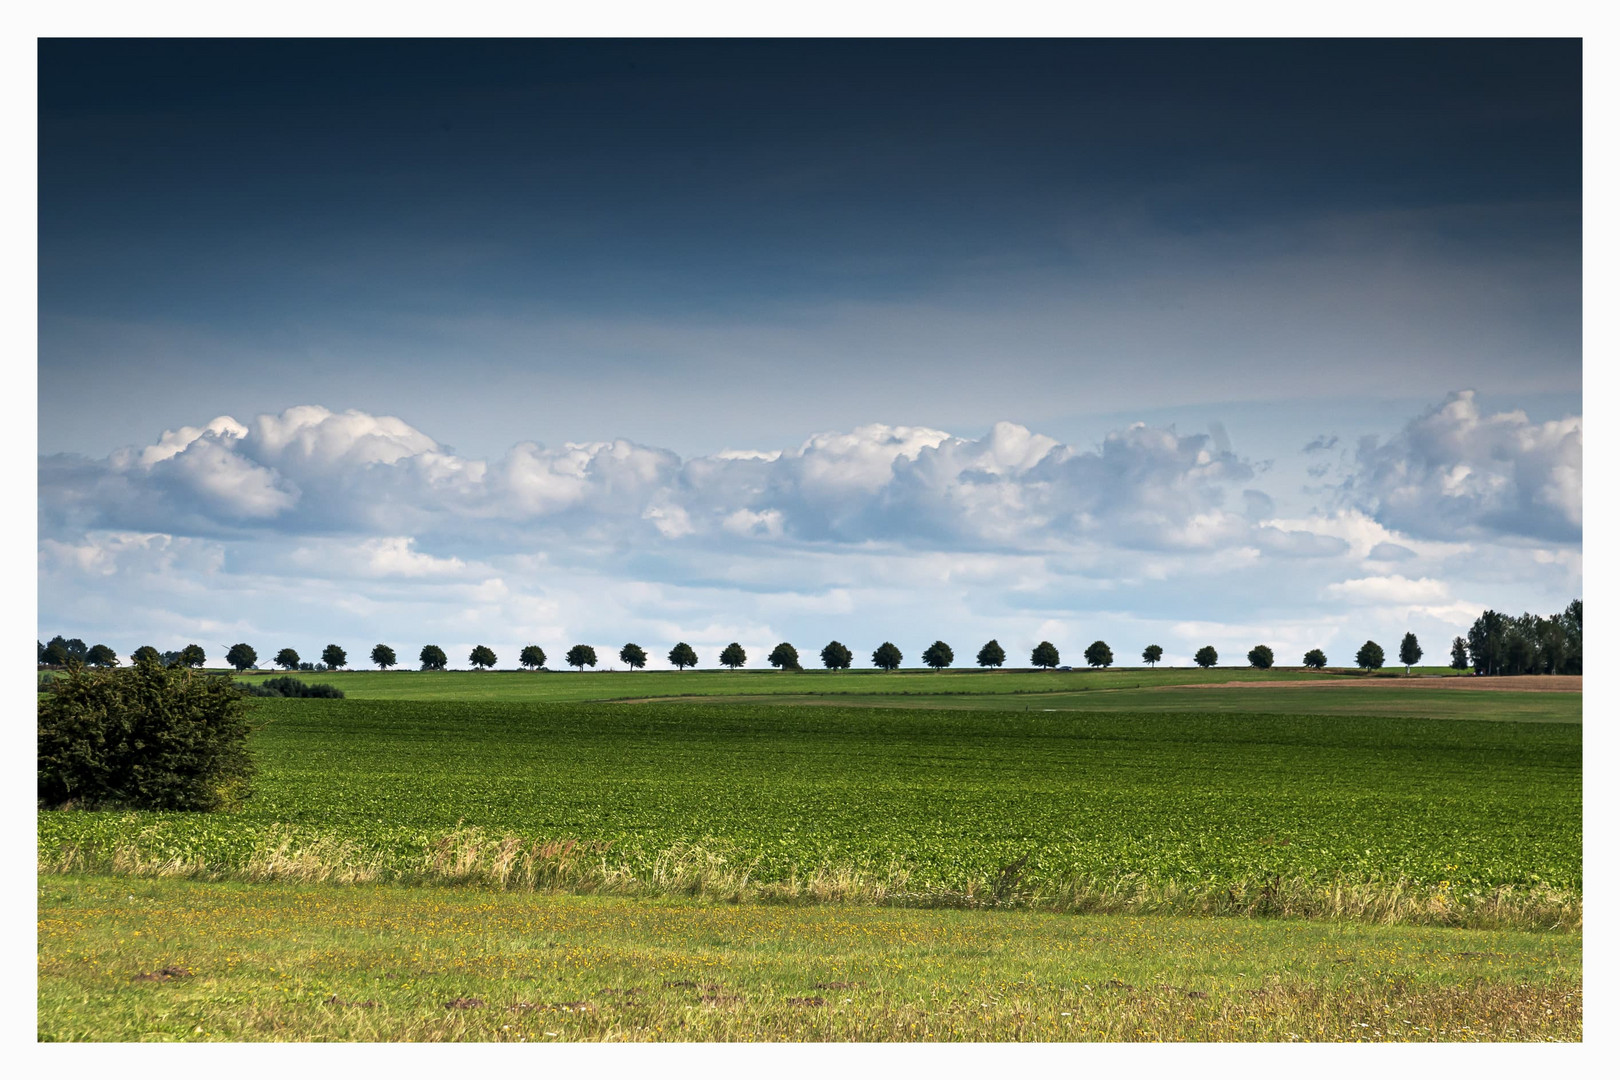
(189, 961)
(1349, 693)
(1172, 808)
(1405, 857)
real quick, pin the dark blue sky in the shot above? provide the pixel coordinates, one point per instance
(378, 214)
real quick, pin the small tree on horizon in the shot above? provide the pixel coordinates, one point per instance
(633, 656)
(1459, 654)
(835, 656)
(146, 653)
(532, 656)
(1206, 657)
(938, 656)
(334, 657)
(886, 656)
(784, 657)
(433, 658)
(733, 656)
(1098, 654)
(992, 655)
(1370, 656)
(101, 656)
(481, 657)
(1044, 655)
(1411, 651)
(241, 656)
(193, 656)
(383, 657)
(581, 657)
(682, 656)
(287, 659)
(1261, 657)
(1152, 655)
(1316, 658)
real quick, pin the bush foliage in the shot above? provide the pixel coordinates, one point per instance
(287, 686)
(144, 738)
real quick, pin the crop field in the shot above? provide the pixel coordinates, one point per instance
(190, 961)
(1391, 817)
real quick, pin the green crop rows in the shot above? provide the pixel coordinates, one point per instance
(952, 796)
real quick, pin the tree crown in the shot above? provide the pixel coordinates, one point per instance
(1206, 657)
(582, 657)
(1261, 656)
(532, 656)
(835, 656)
(633, 655)
(1098, 654)
(1044, 655)
(784, 656)
(992, 654)
(886, 656)
(938, 655)
(733, 656)
(683, 656)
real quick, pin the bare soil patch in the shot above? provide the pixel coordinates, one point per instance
(1521, 683)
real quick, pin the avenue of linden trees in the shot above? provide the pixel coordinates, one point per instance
(1496, 644)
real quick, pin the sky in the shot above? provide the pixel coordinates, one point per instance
(457, 342)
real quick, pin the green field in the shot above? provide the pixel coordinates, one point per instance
(1114, 690)
(170, 961)
(1069, 808)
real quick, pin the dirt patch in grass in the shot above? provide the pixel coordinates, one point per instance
(1533, 683)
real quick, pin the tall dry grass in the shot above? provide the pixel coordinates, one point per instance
(472, 857)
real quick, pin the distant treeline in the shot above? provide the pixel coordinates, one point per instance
(1497, 644)
(1527, 644)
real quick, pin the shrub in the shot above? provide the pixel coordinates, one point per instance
(287, 686)
(143, 738)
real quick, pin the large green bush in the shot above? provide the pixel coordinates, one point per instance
(147, 737)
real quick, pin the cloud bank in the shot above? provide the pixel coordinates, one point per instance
(311, 521)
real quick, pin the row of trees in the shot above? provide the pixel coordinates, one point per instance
(1497, 644)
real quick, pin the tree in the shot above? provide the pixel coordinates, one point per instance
(1370, 656)
(1411, 652)
(633, 656)
(886, 656)
(938, 656)
(733, 656)
(70, 649)
(143, 738)
(1206, 657)
(1487, 643)
(1261, 657)
(1152, 655)
(287, 659)
(582, 657)
(784, 657)
(55, 655)
(1459, 654)
(992, 655)
(383, 657)
(334, 657)
(682, 656)
(835, 656)
(1098, 654)
(433, 658)
(481, 657)
(101, 656)
(532, 656)
(1044, 655)
(1316, 658)
(193, 656)
(146, 654)
(242, 656)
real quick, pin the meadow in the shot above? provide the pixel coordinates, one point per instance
(1474, 822)
(171, 961)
